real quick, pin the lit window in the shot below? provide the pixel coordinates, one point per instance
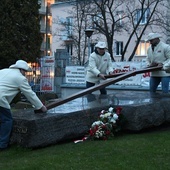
(142, 48)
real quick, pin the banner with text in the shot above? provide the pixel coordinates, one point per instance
(76, 74)
(47, 74)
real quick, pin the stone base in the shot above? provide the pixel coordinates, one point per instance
(73, 119)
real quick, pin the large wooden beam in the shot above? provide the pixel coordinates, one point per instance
(103, 84)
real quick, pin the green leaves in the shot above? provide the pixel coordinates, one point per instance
(20, 36)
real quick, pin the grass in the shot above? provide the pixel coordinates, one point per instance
(128, 151)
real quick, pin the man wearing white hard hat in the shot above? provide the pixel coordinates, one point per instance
(100, 64)
(13, 81)
(158, 54)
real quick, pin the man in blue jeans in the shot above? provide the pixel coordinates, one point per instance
(158, 54)
(13, 81)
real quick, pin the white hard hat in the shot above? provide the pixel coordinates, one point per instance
(22, 65)
(101, 44)
(152, 36)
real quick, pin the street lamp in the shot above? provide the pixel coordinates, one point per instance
(89, 33)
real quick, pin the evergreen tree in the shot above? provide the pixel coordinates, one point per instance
(20, 36)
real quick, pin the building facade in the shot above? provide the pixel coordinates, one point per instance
(46, 26)
(65, 34)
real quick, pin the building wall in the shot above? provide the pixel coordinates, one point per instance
(62, 10)
(59, 14)
(45, 24)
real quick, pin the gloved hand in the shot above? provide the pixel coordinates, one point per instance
(44, 109)
(102, 76)
(166, 67)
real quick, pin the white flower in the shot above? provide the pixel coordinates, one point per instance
(112, 120)
(107, 114)
(115, 116)
(102, 111)
(111, 109)
(99, 134)
(97, 123)
(101, 116)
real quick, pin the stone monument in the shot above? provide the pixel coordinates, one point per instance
(72, 120)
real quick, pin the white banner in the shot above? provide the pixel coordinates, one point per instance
(47, 61)
(123, 67)
(47, 73)
(75, 74)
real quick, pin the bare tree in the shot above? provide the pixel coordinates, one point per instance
(106, 20)
(154, 18)
(106, 16)
(109, 9)
(80, 13)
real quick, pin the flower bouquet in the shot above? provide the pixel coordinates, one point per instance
(108, 124)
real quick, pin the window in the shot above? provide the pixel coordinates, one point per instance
(119, 19)
(142, 15)
(67, 31)
(69, 48)
(69, 26)
(142, 48)
(48, 42)
(118, 48)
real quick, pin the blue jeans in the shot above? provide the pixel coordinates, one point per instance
(89, 84)
(6, 122)
(155, 81)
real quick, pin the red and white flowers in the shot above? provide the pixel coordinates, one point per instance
(107, 124)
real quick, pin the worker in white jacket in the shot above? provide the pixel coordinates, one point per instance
(100, 64)
(13, 81)
(158, 53)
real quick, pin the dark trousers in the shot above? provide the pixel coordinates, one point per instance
(89, 84)
(6, 122)
(155, 81)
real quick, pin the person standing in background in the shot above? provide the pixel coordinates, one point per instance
(100, 64)
(13, 81)
(158, 54)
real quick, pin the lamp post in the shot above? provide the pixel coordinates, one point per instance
(89, 33)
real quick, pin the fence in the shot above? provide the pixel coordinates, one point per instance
(41, 79)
